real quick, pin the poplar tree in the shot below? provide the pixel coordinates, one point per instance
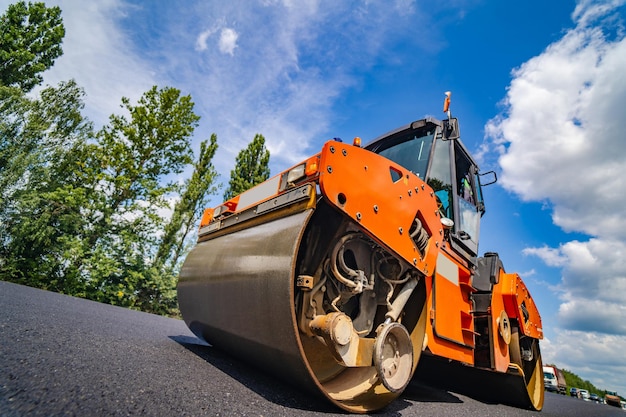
(42, 188)
(189, 207)
(251, 168)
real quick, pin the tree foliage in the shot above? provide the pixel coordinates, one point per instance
(188, 209)
(40, 142)
(105, 215)
(574, 381)
(251, 168)
(132, 160)
(86, 213)
(30, 42)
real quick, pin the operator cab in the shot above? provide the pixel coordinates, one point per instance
(432, 150)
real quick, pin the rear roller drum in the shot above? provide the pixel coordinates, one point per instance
(521, 386)
(526, 359)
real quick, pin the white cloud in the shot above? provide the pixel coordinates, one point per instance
(587, 11)
(201, 41)
(228, 41)
(550, 256)
(561, 129)
(99, 57)
(560, 140)
(599, 357)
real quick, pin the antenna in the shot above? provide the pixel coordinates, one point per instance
(446, 104)
(451, 126)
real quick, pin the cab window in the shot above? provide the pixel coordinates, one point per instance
(440, 178)
(468, 198)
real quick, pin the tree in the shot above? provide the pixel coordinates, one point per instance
(42, 189)
(30, 42)
(188, 209)
(163, 272)
(251, 168)
(136, 160)
(83, 212)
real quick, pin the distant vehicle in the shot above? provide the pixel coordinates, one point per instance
(554, 380)
(594, 397)
(573, 392)
(584, 394)
(612, 398)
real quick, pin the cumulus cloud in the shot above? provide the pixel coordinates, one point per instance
(228, 41)
(559, 139)
(550, 256)
(560, 132)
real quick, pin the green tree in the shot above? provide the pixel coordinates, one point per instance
(14, 141)
(136, 160)
(41, 186)
(82, 212)
(158, 292)
(30, 42)
(188, 209)
(251, 168)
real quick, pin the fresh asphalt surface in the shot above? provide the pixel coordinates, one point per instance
(61, 355)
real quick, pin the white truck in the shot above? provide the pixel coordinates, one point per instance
(553, 379)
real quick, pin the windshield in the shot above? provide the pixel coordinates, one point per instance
(411, 150)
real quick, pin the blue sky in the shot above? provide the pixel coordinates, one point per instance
(539, 89)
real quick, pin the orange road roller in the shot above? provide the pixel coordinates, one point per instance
(345, 271)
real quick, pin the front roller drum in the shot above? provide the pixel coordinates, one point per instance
(240, 293)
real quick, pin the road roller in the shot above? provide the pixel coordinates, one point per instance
(344, 272)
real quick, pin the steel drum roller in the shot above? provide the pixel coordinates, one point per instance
(238, 292)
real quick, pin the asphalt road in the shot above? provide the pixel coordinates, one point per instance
(61, 355)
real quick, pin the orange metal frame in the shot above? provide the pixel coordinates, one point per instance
(352, 179)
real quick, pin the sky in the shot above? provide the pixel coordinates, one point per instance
(539, 89)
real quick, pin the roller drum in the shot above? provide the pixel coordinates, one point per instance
(236, 293)
(242, 293)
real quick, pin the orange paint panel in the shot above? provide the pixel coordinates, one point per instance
(453, 319)
(519, 304)
(384, 198)
(451, 328)
(447, 322)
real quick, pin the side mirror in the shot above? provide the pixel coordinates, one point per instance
(491, 178)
